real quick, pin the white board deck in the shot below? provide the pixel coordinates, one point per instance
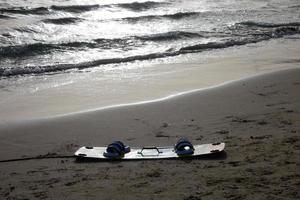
(149, 152)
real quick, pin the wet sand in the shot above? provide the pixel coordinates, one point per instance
(258, 118)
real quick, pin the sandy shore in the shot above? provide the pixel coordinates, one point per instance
(51, 95)
(258, 118)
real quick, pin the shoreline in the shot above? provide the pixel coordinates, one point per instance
(88, 92)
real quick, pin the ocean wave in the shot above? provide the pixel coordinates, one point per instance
(101, 43)
(63, 21)
(217, 45)
(7, 35)
(25, 10)
(47, 10)
(26, 29)
(46, 48)
(75, 8)
(284, 31)
(169, 53)
(295, 6)
(26, 50)
(4, 17)
(180, 15)
(173, 35)
(253, 36)
(268, 25)
(6, 72)
(174, 16)
(262, 29)
(135, 6)
(34, 49)
(140, 6)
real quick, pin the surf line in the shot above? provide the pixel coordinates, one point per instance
(39, 157)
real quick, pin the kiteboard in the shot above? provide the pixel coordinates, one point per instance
(182, 149)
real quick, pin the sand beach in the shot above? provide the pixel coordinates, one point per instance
(257, 117)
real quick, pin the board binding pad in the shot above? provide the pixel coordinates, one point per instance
(151, 152)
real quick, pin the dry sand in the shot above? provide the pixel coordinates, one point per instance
(258, 118)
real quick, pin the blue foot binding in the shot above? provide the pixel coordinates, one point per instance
(116, 150)
(184, 147)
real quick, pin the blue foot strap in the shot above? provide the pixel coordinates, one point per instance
(184, 147)
(116, 149)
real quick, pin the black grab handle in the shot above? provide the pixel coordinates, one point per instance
(150, 147)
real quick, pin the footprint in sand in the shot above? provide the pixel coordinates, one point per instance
(154, 174)
(165, 125)
(286, 122)
(130, 139)
(277, 104)
(262, 122)
(222, 132)
(241, 120)
(260, 137)
(266, 94)
(192, 126)
(199, 138)
(160, 134)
